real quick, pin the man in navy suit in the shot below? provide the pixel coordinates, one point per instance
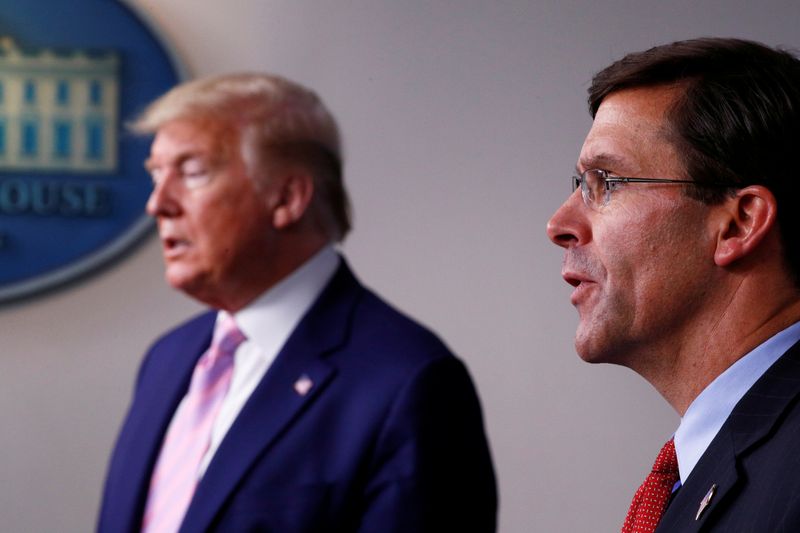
(339, 413)
(681, 243)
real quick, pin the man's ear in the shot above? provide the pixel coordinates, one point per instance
(292, 198)
(745, 220)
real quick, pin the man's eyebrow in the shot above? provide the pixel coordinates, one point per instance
(602, 161)
(181, 158)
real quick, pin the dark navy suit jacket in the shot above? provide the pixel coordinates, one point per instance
(753, 463)
(390, 437)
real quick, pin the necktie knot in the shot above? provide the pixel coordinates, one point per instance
(232, 337)
(667, 460)
(227, 338)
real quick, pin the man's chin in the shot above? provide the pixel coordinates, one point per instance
(591, 351)
(181, 280)
(591, 358)
(603, 351)
(197, 287)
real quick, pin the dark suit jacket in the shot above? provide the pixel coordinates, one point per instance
(754, 461)
(389, 439)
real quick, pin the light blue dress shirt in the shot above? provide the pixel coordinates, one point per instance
(708, 412)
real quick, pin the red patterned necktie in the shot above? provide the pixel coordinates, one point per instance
(176, 472)
(651, 500)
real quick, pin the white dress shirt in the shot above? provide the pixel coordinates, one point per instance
(708, 412)
(267, 323)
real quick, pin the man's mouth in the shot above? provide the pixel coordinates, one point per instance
(582, 285)
(173, 246)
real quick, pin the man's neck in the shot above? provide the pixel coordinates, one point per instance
(241, 290)
(683, 369)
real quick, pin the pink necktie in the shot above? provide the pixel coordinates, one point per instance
(176, 472)
(650, 501)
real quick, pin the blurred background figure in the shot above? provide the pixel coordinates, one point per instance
(301, 402)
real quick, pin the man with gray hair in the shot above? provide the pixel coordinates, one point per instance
(301, 402)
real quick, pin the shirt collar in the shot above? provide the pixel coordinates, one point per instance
(270, 318)
(708, 412)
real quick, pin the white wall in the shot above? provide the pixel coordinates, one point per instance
(462, 121)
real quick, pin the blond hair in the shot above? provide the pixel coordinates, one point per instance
(275, 118)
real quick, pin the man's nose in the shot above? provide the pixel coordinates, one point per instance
(164, 200)
(568, 227)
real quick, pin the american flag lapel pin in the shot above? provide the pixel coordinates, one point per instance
(303, 385)
(706, 501)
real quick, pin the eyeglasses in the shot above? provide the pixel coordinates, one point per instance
(596, 185)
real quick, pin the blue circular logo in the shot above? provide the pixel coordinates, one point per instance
(72, 184)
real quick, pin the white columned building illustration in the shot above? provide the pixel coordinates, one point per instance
(59, 111)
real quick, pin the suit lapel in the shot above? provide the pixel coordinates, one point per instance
(750, 423)
(168, 371)
(717, 469)
(299, 363)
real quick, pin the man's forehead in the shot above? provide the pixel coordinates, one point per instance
(182, 137)
(612, 149)
(627, 125)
